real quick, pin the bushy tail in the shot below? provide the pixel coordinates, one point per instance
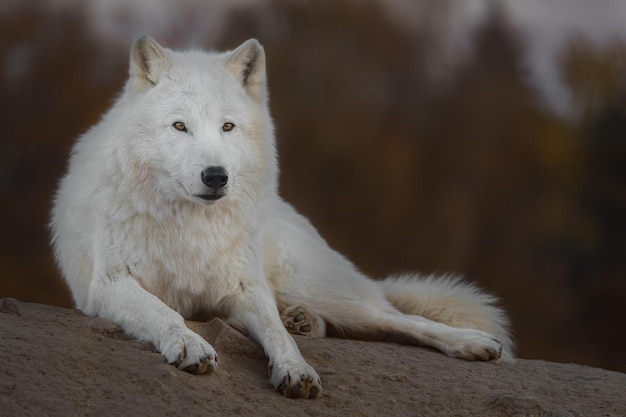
(450, 300)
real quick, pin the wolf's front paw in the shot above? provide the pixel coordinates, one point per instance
(297, 320)
(190, 352)
(296, 380)
(472, 344)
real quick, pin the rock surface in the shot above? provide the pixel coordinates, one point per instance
(58, 362)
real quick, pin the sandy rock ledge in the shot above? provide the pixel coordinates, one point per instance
(58, 362)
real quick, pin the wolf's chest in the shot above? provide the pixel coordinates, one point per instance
(190, 266)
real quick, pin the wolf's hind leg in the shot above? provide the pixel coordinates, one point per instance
(369, 321)
(300, 321)
(463, 343)
(450, 300)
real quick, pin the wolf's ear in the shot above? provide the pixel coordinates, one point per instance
(247, 64)
(148, 60)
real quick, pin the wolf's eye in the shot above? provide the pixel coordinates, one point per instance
(180, 126)
(228, 126)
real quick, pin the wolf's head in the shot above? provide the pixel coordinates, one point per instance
(197, 125)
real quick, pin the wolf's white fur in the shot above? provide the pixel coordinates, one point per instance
(143, 241)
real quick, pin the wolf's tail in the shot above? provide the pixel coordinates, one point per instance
(450, 300)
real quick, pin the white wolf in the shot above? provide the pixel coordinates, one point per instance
(170, 209)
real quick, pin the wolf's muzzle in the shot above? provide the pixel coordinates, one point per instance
(215, 178)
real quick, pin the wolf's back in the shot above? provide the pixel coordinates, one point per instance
(78, 200)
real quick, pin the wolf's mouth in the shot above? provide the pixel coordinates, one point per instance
(210, 197)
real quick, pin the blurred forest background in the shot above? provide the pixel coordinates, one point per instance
(404, 155)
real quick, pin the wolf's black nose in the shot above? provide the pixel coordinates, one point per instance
(214, 177)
